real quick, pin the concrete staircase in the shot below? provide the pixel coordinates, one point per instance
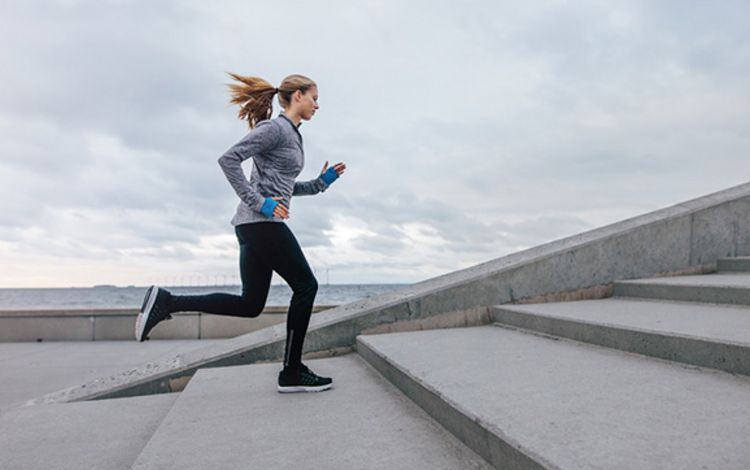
(232, 417)
(655, 376)
(558, 385)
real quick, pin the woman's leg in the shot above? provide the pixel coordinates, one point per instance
(256, 280)
(282, 253)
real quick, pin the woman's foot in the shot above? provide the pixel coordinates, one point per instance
(154, 309)
(302, 380)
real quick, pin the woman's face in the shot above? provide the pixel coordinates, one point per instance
(308, 103)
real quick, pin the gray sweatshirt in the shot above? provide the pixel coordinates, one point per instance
(275, 145)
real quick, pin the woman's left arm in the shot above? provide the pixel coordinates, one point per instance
(321, 183)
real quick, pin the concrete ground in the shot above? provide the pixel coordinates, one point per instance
(30, 370)
(100, 434)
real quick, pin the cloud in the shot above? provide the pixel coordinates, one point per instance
(470, 130)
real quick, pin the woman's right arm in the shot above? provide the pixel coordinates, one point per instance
(258, 141)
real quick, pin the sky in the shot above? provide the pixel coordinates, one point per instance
(470, 130)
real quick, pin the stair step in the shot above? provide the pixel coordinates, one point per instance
(708, 288)
(527, 401)
(102, 434)
(233, 417)
(737, 264)
(707, 335)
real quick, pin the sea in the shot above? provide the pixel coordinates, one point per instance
(106, 296)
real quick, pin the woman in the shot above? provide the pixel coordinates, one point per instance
(266, 242)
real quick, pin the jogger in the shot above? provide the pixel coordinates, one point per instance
(266, 243)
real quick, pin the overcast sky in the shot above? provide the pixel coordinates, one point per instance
(470, 129)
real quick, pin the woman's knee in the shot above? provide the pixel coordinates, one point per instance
(307, 287)
(252, 305)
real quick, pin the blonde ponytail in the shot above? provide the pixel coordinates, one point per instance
(255, 95)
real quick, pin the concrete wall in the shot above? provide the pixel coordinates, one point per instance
(118, 324)
(682, 239)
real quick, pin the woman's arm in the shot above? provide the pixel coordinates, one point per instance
(321, 183)
(308, 188)
(261, 139)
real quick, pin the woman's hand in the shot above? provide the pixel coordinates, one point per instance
(273, 208)
(280, 211)
(330, 175)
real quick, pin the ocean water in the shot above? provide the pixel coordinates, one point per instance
(132, 297)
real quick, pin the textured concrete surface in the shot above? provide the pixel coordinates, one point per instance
(46, 328)
(740, 280)
(726, 288)
(708, 335)
(29, 370)
(687, 237)
(102, 435)
(570, 405)
(722, 231)
(724, 323)
(233, 417)
(738, 264)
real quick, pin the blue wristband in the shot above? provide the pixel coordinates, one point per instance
(268, 206)
(330, 175)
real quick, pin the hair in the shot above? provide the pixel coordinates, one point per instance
(255, 95)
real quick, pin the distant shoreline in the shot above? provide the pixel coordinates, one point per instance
(205, 286)
(106, 297)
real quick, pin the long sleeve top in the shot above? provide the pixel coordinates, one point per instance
(275, 146)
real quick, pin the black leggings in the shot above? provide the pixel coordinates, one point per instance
(264, 247)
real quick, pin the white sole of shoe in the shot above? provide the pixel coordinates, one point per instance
(302, 388)
(140, 322)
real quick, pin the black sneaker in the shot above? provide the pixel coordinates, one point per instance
(153, 310)
(302, 380)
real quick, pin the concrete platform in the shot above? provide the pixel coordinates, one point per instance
(29, 370)
(527, 401)
(738, 264)
(102, 435)
(708, 335)
(727, 288)
(117, 324)
(233, 417)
